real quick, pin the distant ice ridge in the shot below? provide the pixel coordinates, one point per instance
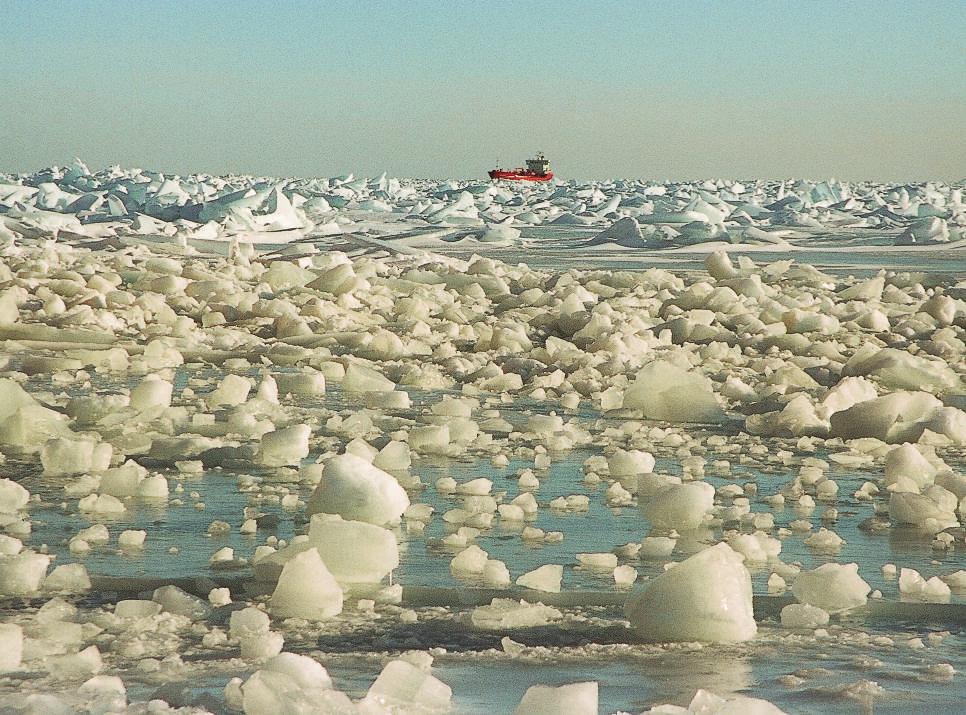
(205, 210)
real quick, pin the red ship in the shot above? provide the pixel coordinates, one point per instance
(538, 169)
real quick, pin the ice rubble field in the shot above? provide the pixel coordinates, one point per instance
(326, 445)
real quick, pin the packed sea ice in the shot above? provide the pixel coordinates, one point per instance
(326, 445)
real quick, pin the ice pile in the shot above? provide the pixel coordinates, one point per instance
(202, 210)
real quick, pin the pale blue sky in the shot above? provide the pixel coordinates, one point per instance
(637, 89)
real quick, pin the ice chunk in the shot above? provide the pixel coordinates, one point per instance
(22, 574)
(123, 481)
(505, 613)
(429, 439)
(101, 503)
(705, 702)
(24, 423)
(104, 693)
(268, 692)
(247, 622)
(625, 575)
(657, 547)
(933, 511)
(68, 578)
(600, 561)
(13, 497)
(306, 589)
(706, 597)
(896, 417)
(913, 586)
(9, 545)
(180, 602)
(545, 578)
(61, 457)
(404, 687)
(151, 392)
(802, 615)
(832, 587)
(136, 608)
(929, 229)
(824, 540)
(631, 462)
(306, 383)
(286, 446)
(471, 560)
(573, 699)
(359, 378)
(394, 457)
(233, 390)
(623, 232)
(680, 506)
(354, 551)
(358, 491)
(261, 646)
(290, 683)
(757, 547)
(131, 539)
(306, 672)
(11, 647)
(95, 534)
(496, 574)
(663, 391)
(76, 665)
(153, 487)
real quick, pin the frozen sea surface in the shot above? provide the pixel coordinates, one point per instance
(796, 671)
(896, 654)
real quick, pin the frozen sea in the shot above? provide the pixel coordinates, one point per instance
(894, 655)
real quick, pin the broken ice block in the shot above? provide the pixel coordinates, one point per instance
(706, 597)
(573, 699)
(306, 589)
(832, 587)
(358, 491)
(546, 578)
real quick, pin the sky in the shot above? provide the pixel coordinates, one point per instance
(637, 89)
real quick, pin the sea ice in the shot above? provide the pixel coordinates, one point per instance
(354, 551)
(11, 647)
(663, 391)
(680, 506)
(573, 699)
(832, 587)
(13, 497)
(403, 687)
(706, 597)
(286, 446)
(504, 613)
(802, 615)
(358, 491)
(545, 578)
(306, 589)
(705, 702)
(23, 574)
(913, 586)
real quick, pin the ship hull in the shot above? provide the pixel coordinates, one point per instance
(519, 175)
